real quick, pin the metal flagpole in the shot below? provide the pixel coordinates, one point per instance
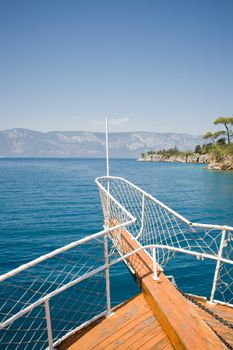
(107, 153)
(107, 275)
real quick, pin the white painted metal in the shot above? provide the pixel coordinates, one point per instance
(146, 194)
(107, 193)
(185, 251)
(222, 303)
(218, 227)
(60, 250)
(107, 168)
(50, 295)
(142, 219)
(217, 266)
(101, 268)
(107, 146)
(49, 255)
(178, 250)
(107, 278)
(49, 326)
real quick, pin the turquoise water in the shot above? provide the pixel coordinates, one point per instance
(46, 203)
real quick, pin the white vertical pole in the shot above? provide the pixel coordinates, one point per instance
(142, 217)
(49, 326)
(107, 146)
(107, 171)
(107, 275)
(216, 274)
(155, 275)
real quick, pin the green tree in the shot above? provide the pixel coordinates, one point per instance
(197, 149)
(206, 148)
(213, 135)
(221, 141)
(228, 123)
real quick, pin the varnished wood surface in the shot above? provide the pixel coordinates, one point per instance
(221, 310)
(179, 318)
(132, 326)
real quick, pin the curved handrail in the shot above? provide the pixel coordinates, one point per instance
(144, 195)
(190, 223)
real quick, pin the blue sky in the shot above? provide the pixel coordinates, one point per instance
(151, 65)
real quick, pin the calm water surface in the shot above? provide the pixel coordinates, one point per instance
(46, 203)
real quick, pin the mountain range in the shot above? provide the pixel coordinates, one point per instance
(30, 143)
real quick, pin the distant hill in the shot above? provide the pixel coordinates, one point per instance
(29, 143)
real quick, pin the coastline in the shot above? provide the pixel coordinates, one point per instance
(176, 158)
(224, 163)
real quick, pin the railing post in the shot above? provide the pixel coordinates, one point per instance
(142, 217)
(49, 326)
(216, 274)
(107, 276)
(155, 275)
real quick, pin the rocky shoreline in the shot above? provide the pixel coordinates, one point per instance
(176, 158)
(224, 163)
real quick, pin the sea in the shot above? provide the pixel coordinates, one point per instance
(47, 203)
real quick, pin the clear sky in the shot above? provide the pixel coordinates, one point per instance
(151, 65)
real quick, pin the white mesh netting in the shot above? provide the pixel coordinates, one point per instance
(156, 224)
(71, 280)
(224, 289)
(76, 303)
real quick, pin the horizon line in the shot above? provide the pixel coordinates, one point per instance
(102, 132)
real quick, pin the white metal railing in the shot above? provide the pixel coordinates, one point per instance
(19, 311)
(33, 316)
(159, 227)
(30, 314)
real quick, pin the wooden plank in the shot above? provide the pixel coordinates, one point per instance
(120, 319)
(126, 339)
(130, 329)
(123, 315)
(157, 342)
(179, 319)
(147, 337)
(167, 347)
(131, 322)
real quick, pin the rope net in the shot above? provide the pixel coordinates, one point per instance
(224, 290)
(75, 304)
(72, 279)
(156, 224)
(27, 332)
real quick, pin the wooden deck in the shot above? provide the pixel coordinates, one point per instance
(131, 326)
(159, 318)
